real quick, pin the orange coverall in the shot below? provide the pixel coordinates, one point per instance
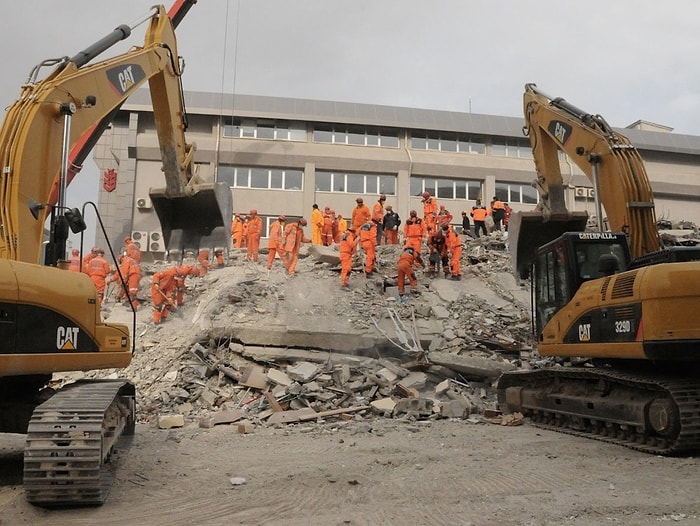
(408, 259)
(368, 240)
(274, 242)
(203, 264)
(437, 247)
(316, 226)
(163, 290)
(414, 231)
(293, 238)
(327, 229)
(255, 227)
(98, 270)
(74, 261)
(348, 245)
(237, 231)
(454, 246)
(360, 215)
(180, 275)
(131, 272)
(378, 218)
(430, 210)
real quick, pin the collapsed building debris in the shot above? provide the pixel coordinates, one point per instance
(253, 347)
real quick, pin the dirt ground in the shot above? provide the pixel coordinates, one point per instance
(374, 471)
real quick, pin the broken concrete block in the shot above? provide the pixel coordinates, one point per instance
(454, 409)
(278, 377)
(442, 387)
(246, 427)
(387, 374)
(170, 421)
(303, 371)
(414, 380)
(222, 417)
(383, 405)
(414, 406)
(254, 376)
(440, 312)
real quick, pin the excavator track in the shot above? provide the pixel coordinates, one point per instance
(71, 439)
(650, 413)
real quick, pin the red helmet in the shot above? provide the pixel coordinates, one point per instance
(413, 213)
(382, 197)
(253, 212)
(282, 218)
(75, 252)
(359, 200)
(302, 222)
(426, 195)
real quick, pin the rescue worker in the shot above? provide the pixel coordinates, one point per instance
(237, 231)
(342, 227)
(378, 217)
(163, 293)
(348, 246)
(274, 240)
(498, 212)
(454, 247)
(132, 249)
(466, 225)
(98, 270)
(219, 257)
(506, 217)
(203, 263)
(86, 260)
(180, 286)
(316, 225)
(430, 210)
(244, 235)
(255, 228)
(437, 254)
(414, 231)
(478, 213)
(360, 214)
(327, 228)
(368, 240)
(131, 273)
(391, 224)
(444, 216)
(293, 238)
(74, 261)
(407, 261)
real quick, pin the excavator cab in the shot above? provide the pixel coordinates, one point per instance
(563, 265)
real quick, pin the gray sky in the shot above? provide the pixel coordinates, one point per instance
(623, 59)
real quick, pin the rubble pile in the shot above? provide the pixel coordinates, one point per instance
(258, 347)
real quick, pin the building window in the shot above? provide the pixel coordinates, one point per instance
(446, 188)
(511, 147)
(447, 142)
(270, 129)
(355, 135)
(516, 193)
(260, 177)
(355, 183)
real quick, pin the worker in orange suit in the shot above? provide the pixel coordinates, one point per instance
(347, 248)
(430, 211)
(203, 262)
(498, 212)
(327, 228)
(437, 254)
(131, 273)
(181, 274)
(237, 231)
(98, 270)
(478, 214)
(293, 238)
(342, 228)
(360, 214)
(219, 257)
(274, 240)
(163, 293)
(88, 257)
(408, 259)
(74, 261)
(255, 228)
(132, 249)
(368, 241)
(444, 216)
(316, 225)
(391, 223)
(378, 218)
(454, 247)
(414, 231)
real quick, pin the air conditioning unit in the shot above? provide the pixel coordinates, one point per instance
(591, 193)
(580, 191)
(144, 203)
(140, 239)
(156, 242)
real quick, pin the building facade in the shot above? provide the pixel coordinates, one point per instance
(280, 156)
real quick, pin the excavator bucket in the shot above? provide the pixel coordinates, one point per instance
(199, 218)
(527, 231)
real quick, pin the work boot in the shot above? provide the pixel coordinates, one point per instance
(456, 278)
(156, 317)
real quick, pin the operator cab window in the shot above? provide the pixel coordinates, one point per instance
(595, 260)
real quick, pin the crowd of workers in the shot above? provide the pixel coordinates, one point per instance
(432, 234)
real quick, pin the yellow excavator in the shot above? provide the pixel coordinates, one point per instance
(613, 296)
(50, 318)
